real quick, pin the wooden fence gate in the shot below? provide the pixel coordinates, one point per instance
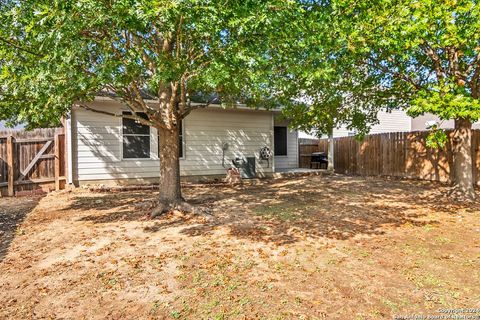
(32, 161)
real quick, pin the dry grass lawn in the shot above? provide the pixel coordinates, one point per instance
(303, 248)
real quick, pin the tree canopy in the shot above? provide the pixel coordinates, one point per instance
(322, 84)
(359, 57)
(427, 52)
(161, 59)
(53, 53)
(363, 56)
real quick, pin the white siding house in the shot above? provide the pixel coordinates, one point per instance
(394, 121)
(398, 121)
(419, 123)
(96, 143)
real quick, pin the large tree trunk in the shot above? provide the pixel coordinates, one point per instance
(462, 159)
(170, 189)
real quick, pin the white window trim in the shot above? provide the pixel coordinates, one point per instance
(152, 139)
(154, 144)
(183, 146)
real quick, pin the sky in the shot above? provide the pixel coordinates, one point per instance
(2, 126)
(304, 135)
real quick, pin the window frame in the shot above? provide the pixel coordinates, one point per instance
(149, 135)
(286, 142)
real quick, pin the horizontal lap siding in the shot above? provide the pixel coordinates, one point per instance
(97, 143)
(246, 132)
(394, 121)
(97, 147)
(419, 123)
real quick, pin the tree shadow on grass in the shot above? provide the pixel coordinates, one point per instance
(111, 207)
(126, 205)
(288, 210)
(339, 226)
(342, 209)
(13, 213)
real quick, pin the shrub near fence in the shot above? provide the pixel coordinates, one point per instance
(31, 160)
(398, 154)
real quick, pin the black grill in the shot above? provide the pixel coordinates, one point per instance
(319, 159)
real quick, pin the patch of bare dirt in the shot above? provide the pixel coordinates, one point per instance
(305, 248)
(12, 213)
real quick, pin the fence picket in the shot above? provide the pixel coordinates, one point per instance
(401, 154)
(30, 160)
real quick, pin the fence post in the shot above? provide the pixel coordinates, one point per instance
(11, 165)
(331, 152)
(56, 146)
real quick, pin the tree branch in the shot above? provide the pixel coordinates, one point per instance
(187, 111)
(437, 62)
(475, 64)
(398, 75)
(474, 82)
(133, 116)
(139, 98)
(179, 37)
(123, 98)
(183, 95)
(16, 46)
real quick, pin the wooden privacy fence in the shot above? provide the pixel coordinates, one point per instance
(305, 153)
(32, 160)
(398, 154)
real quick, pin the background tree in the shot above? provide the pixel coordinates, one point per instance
(420, 55)
(429, 52)
(326, 107)
(323, 87)
(60, 52)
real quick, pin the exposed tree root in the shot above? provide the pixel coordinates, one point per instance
(182, 206)
(460, 195)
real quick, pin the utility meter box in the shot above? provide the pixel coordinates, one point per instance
(246, 167)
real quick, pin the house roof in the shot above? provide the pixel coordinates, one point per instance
(197, 98)
(214, 100)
